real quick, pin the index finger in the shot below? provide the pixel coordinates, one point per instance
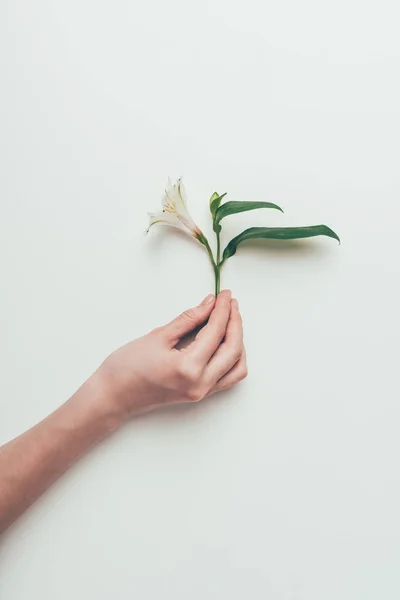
(210, 337)
(230, 351)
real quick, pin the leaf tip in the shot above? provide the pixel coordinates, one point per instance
(335, 235)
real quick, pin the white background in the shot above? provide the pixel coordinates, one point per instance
(287, 487)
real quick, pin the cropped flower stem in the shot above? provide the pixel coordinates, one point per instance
(205, 243)
(217, 267)
(217, 279)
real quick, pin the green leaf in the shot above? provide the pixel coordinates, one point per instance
(215, 201)
(276, 233)
(213, 197)
(230, 208)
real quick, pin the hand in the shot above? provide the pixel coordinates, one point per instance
(151, 371)
(142, 375)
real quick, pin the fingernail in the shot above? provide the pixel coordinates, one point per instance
(208, 299)
(227, 293)
(235, 303)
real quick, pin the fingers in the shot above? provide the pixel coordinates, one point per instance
(189, 320)
(234, 376)
(230, 351)
(216, 359)
(211, 336)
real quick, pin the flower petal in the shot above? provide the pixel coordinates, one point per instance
(182, 191)
(165, 219)
(175, 212)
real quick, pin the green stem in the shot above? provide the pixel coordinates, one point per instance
(217, 280)
(204, 241)
(217, 271)
(217, 267)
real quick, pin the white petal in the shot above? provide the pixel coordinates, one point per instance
(175, 211)
(168, 194)
(165, 219)
(169, 199)
(177, 196)
(182, 191)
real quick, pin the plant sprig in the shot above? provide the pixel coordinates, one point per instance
(176, 214)
(219, 211)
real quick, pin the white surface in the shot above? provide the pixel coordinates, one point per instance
(288, 487)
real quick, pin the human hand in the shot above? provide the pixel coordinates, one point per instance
(151, 371)
(148, 372)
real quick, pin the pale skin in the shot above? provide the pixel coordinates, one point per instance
(147, 373)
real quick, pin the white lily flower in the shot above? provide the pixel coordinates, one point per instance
(174, 211)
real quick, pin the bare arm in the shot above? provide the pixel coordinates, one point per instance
(30, 463)
(144, 374)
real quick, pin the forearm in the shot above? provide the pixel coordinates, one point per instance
(140, 376)
(30, 463)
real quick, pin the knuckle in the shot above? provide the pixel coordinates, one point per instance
(196, 393)
(157, 331)
(189, 371)
(188, 316)
(243, 372)
(236, 353)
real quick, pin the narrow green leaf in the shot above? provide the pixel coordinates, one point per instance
(230, 208)
(213, 197)
(277, 233)
(215, 201)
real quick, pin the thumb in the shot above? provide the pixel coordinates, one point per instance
(189, 320)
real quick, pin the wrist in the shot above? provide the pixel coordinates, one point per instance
(97, 397)
(117, 396)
